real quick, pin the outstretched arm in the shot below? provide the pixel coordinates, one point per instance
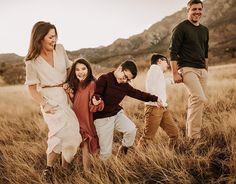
(140, 95)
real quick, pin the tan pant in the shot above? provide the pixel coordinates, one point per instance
(195, 81)
(155, 117)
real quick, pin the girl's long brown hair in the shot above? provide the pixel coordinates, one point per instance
(74, 82)
(39, 31)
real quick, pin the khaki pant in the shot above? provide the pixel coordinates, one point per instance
(195, 81)
(155, 117)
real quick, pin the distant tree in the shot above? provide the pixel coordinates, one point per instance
(3, 65)
(232, 51)
(2, 69)
(14, 75)
(136, 43)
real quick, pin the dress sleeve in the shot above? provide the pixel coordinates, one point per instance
(68, 61)
(32, 77)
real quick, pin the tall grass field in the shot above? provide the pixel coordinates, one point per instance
(212, 159)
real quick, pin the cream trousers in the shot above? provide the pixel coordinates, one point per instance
(195, 81)
(105, 128)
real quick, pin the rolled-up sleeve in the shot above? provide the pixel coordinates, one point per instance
(31, 74)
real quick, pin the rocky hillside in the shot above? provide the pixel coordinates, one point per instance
(9, 59)
(219, 17)
(11, 69)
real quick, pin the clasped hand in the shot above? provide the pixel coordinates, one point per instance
(68, 90)
(96, 100)
(159, 103)
(178, 78)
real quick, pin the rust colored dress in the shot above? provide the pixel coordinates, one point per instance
(84, 109)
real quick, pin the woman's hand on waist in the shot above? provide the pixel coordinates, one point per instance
(50, 109)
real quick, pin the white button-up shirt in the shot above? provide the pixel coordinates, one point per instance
(156, 84)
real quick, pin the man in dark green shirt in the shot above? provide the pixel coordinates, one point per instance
(189, 53)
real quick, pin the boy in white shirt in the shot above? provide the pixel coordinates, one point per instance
(156, 116)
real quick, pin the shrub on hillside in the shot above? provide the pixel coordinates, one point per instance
(14, 75)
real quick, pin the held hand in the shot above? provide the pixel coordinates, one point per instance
(96, 100)
(71, 93)
(68, 90)
(50, 109)
(65, 86)
(159, 103)
(177, 78)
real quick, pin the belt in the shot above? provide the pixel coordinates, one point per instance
(53, 86)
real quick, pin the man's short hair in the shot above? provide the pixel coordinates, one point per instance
(191, 2)
(155, 58)
(131, 66)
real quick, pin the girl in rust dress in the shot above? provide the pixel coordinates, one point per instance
(81, 83)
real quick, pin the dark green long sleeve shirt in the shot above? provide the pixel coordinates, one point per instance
(189, 45)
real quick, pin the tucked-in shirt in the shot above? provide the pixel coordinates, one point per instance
(189, 45)
(113, 93)
(156, 84)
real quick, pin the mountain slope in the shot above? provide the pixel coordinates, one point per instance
(219, 17)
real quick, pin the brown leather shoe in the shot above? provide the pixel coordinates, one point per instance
(124, 150)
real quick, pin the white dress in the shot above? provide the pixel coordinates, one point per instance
(63, 136)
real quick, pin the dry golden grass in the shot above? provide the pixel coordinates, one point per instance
(211, 160)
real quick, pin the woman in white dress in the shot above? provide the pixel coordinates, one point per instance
(46, 71)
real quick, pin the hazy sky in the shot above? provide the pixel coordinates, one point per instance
(80, 23)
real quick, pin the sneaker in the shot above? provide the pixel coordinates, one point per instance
(48, 174)
(123, 150)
